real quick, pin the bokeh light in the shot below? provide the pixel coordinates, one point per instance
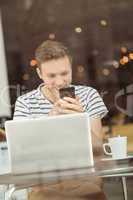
(78, 29)
(51, 36)
(103, 22)
(131, 56)
(80, 69)
(25, 77)
(106, 72)
(124, 49)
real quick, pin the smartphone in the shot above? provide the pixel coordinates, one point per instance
(67, 92)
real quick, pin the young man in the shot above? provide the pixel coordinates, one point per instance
(54, 67)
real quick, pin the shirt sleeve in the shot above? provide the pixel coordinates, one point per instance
(95, 105)
(21, 109)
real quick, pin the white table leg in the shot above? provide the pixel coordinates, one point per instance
(124, 186)
(9, 193)
(3, 192)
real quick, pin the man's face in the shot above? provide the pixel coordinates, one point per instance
(56, 73)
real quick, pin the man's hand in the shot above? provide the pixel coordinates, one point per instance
(66, 105)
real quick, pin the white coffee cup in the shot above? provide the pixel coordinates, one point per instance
(118, 147)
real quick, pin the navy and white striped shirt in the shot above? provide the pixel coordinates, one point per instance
(34, 104)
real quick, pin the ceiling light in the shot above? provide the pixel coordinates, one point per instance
(131, 56)
(122, 61)
(51, 36)
(78, 29)
(103, 22)
(115, 64)
(80, 69)
(123, 49)
(125, 59)
(106, 72)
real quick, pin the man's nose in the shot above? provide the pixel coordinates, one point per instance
(59, 82)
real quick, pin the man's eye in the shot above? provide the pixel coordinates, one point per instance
(64, 73)
(51, 76)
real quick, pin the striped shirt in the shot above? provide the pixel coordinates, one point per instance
(34, 104)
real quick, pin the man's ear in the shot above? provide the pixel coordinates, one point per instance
(39, 72)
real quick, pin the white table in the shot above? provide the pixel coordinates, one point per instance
(103, 169)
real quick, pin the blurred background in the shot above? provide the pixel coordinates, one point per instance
(99, 34)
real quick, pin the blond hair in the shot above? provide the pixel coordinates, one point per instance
(50, 50)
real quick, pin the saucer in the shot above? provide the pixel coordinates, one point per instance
(108, 159)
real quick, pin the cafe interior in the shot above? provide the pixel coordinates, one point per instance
(99, 34)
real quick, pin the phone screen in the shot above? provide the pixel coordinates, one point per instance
(67, 92)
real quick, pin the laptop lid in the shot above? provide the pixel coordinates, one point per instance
(49, 143)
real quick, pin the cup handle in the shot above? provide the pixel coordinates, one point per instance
(104, 149)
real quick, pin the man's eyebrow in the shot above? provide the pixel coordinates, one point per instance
(64, 71)
(51, 73)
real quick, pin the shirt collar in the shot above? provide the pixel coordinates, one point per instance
(39, 89)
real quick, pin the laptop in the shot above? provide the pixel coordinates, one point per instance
(49, 143)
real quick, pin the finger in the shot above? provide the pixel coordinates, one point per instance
(73, 105)
(71, 100)
(54, 111)
(59, 102)
(78, 98)
(67, 111)
(70, 106)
